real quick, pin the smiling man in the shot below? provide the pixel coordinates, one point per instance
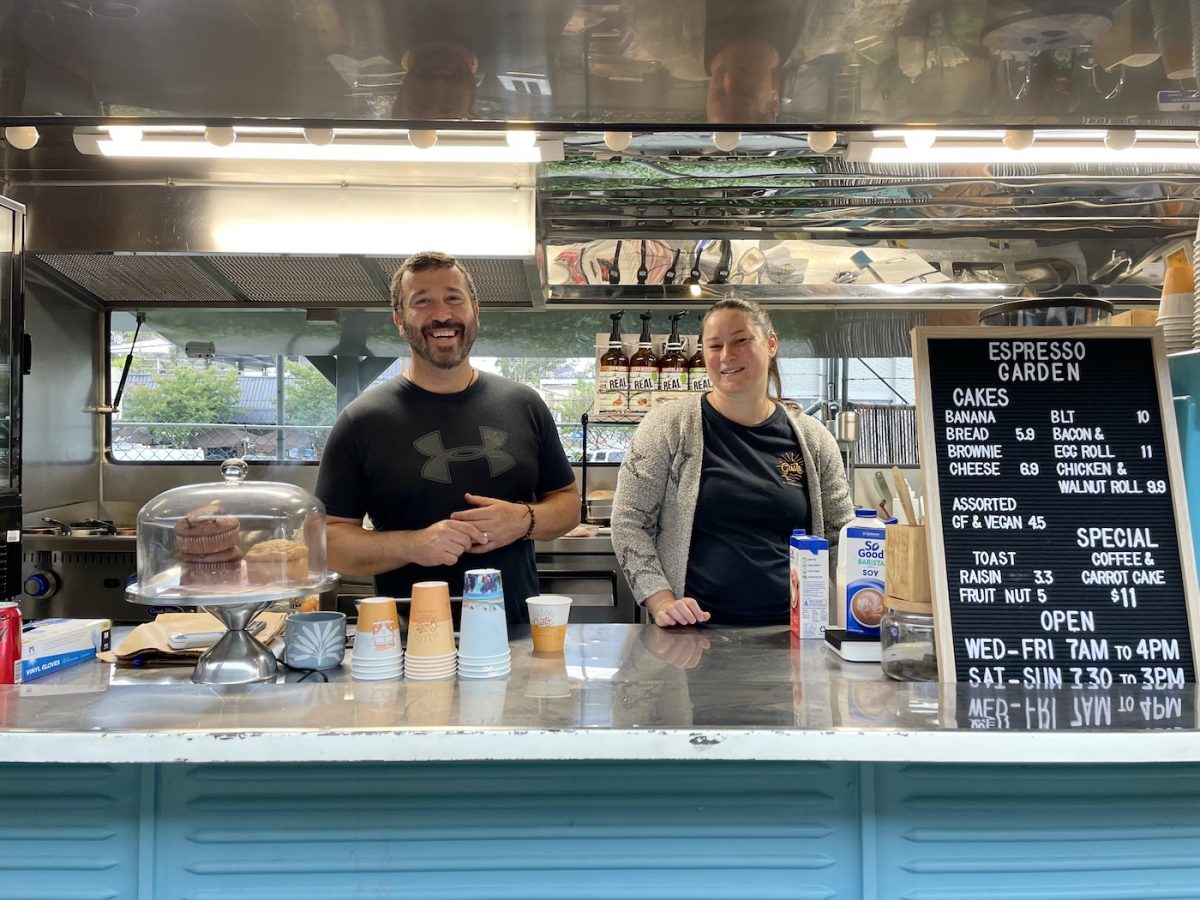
(456, 469)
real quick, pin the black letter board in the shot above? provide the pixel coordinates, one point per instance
(1056, 507)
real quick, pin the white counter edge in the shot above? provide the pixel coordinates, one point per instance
(501, 744)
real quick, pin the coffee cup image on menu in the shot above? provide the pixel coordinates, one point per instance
(864, 606)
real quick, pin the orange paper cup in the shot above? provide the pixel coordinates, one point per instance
(430, 629)
(377, 609)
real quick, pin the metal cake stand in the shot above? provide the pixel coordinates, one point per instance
(238, 657)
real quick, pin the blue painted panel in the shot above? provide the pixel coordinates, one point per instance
(501, 830)
(1025, 832)
(69, 832)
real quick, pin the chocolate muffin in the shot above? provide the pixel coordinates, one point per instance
(206, 530)
(224, 567)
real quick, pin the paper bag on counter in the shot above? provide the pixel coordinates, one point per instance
(150, 642)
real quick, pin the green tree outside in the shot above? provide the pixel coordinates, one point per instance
(309, 398)
(199, 395)
(527, 370)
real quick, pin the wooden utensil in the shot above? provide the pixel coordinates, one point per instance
(905, 494)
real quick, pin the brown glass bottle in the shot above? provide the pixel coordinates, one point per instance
(673, 364)
(643, 369)
(613, 375)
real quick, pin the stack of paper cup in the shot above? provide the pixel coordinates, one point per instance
(431, 654)
(483, 638)
(378, 653)
(1177, 308)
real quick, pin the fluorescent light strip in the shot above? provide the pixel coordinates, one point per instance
(1038, 153)
(939, 133)
(1084, 135)
(349, 146)
(335, 152)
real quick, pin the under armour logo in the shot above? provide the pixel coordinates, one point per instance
(437, 468)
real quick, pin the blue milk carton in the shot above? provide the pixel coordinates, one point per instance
(809, 557)
(860, 573)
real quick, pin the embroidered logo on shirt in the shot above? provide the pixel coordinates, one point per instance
(791, 468)
(437, 467)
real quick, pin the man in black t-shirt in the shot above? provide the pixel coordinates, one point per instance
(457, 469)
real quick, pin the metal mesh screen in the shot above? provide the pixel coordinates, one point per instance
(130, 279)
(499, 282)
(300, 280)
(198, 441)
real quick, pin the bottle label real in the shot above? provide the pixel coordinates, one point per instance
(673, 379)
(612, 378)
(698, 380)
(643, 378)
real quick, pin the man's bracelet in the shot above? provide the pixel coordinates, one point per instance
(532, 521)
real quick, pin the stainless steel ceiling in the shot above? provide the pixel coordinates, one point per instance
(140, 233)
(649, 63)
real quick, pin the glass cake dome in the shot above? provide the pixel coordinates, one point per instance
(230, 540)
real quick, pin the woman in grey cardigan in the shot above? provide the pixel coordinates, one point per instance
(714, 484)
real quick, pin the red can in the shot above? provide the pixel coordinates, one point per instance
(10, 643)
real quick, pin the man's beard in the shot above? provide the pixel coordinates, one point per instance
(442, 357)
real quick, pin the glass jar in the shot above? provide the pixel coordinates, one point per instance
(906, 646)
(231, 538)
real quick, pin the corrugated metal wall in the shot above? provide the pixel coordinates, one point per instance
(599, 830)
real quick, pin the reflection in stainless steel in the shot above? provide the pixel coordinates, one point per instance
(743, 63)
(610, 676)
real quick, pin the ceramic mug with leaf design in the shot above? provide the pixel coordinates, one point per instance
(315, 640)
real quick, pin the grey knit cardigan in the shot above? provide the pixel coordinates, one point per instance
(659, 482)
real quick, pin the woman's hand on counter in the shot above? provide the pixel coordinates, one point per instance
(667, 610)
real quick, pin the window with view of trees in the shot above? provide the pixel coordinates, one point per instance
(277, 408)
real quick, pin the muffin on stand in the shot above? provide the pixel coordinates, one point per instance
(206, 530)
(278, 561)
(206, 543)
(220, 569)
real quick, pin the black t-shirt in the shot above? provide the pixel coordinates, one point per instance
(753, 492)
(406, 456)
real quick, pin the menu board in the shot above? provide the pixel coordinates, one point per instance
(1060, 553)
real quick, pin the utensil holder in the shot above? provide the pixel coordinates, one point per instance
(906, 566)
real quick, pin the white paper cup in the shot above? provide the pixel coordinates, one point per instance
(548, 615)
(359, 674)
(379, 640)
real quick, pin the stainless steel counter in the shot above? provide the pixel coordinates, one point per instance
(618, 692)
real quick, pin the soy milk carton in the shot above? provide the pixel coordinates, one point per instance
(809, 580)
(860, 593)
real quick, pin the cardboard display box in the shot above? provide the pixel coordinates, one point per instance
(49, 645)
